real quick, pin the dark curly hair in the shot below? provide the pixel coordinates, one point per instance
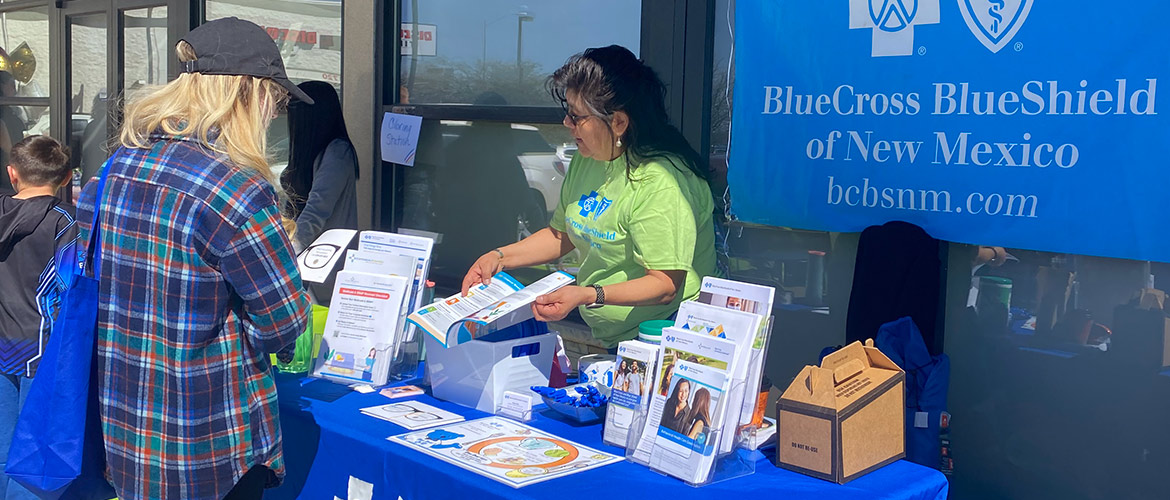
(611, 79)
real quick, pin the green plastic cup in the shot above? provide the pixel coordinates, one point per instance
(307, 345)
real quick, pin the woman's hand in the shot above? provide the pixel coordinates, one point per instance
(556, 305)
(486, 266)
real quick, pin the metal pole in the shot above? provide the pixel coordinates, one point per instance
(149, 47)
(519, 39)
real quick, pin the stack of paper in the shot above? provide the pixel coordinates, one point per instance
(382, 280)
(708, 373)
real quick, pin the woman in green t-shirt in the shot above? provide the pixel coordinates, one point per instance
(635, 202)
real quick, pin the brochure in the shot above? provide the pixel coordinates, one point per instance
(412, 415)
(362, 321)
(485, 309)
(505, 450)
(751, 298)
(317, 261)
(632, 385)
(688, 428)
(416, 248)
(738, 326)
(679, 346)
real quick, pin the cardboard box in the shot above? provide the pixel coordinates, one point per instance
(845, 418)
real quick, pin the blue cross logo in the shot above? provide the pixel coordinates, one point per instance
(593, 205)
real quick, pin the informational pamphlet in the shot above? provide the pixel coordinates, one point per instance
(358, 334)
(412, 415)
(485, 308)
(738, 326)
(505, 450)
(688, 428)
(317, 261)
(679, 346)
(399, 247)
(751, 298)
(632, 385)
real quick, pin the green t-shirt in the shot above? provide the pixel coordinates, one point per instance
(661, 220)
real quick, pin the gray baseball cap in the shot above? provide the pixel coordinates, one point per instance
(233, 46)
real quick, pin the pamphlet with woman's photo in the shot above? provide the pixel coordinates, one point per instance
(689, 425)
(680, 347)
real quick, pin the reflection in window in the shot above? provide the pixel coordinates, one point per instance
(1059, 374)
(24, 42)
(463, 49)
(146, 50)
(88, 137)
(309, 37)
(24, 36)
(483, 185)
(308, 33)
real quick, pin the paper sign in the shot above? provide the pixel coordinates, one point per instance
(400, 138)
(424, 41)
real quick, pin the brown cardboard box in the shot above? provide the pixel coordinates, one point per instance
(845, 418)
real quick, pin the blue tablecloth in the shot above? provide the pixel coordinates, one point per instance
(327, 440)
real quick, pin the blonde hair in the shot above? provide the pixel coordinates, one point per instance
(235, 109)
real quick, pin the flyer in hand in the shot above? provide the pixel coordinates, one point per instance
(485, 308)
(505, 450)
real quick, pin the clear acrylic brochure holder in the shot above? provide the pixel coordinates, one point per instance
(725, 465)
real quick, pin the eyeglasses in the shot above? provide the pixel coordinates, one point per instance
(409, 412)
(574, 119)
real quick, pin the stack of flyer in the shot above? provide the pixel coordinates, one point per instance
(383, 279)
(704, 384)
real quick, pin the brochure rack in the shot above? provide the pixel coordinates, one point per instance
(734, 453)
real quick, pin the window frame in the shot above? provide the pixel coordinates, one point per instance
(681, 51)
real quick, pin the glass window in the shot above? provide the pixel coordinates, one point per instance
(465, 50)
(24, 62)
(89, 115)
(308, 33)
(508, 174)
(146, 50)
(309, 36)
(25, 38)
(1079, 393)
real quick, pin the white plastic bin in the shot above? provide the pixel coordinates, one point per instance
(476, 373)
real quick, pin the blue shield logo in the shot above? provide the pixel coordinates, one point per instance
(995, 22)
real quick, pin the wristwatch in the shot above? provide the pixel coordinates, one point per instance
(600, 300)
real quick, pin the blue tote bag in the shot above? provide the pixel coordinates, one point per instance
(58, 450)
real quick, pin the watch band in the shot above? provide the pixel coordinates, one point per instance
(600, 300)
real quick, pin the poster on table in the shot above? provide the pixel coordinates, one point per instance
(1009, 122)
(505, 450)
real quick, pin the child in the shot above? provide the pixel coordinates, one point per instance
(36, 230)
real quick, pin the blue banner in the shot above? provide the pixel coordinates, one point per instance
(1019, 123)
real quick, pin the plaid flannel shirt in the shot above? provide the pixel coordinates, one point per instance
(198, 285)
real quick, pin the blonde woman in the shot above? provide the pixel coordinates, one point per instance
(198, 279)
